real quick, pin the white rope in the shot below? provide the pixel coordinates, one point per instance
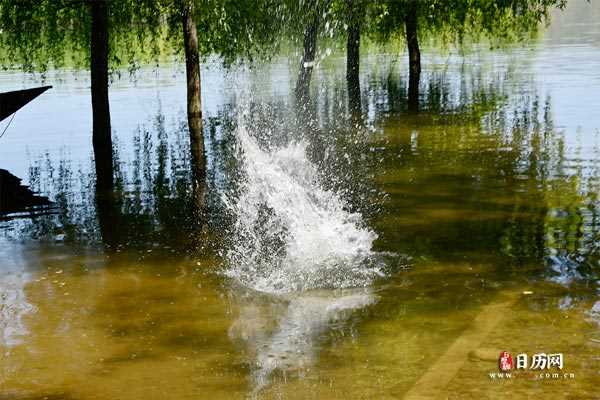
(9, 122)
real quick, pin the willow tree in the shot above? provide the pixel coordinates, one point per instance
(352, 21)
(355, 17)
(36, 35)
(296, 22)
(499, 21)
(229, 30)
(311, 13)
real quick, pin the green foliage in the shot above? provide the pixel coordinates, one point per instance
(39, 34)
(231, 29)
(35, 33)
(454, 21)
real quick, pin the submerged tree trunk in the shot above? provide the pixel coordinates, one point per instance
(414, 55)
(308, 59)
(102, 140)
(352, 69)
(109, 219)
(194, 104)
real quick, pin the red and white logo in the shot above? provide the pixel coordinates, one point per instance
(505, 362)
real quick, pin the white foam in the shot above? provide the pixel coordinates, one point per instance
(291, 234)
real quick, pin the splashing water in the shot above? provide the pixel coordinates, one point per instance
(291, 234)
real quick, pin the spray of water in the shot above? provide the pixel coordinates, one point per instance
(290, 233)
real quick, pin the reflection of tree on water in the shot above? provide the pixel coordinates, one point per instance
(497, 183)
(493, 160)
(556, 198)
(153, 202)
(153, 198)
(517, 196)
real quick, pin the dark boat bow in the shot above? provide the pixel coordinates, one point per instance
(11, 102)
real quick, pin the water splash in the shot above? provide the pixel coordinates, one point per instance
(290, 233)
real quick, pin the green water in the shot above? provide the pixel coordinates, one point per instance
(485, 204)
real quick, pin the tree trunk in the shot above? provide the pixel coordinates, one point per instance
(194, 104)
(102, 140)
(109, 219)
(308, 58)
(352, 69)
(414, 55)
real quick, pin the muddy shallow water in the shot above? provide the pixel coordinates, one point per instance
(484, 204)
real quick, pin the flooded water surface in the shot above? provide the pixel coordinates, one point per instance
(393, 255)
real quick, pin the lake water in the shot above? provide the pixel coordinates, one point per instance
(394, 257)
